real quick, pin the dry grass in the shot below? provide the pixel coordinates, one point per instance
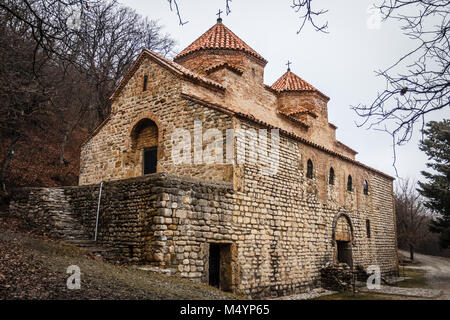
(418, 279)
(32, 267)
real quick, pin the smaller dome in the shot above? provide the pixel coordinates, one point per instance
(291, 82)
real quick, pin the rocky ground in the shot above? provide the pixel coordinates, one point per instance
(34, 267)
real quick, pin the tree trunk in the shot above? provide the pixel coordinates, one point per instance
(63, 147)
(411, 252)
(6, 161)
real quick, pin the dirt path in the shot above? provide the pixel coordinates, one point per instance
(438, 271)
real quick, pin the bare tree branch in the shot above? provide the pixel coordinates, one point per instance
(308, 14)
(412, 217)
(227, 7)
(177, 10)
(54, 72)
(424, 87)
(304, 7)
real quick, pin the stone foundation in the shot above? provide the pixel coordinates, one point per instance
(170, 222)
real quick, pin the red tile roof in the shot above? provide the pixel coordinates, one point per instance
(301, 110)
(294, 119)
(226, 65)
(219, 37)
(291, 82)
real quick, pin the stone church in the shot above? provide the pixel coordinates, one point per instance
(224, 222)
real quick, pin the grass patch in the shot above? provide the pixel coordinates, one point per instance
(418, 279)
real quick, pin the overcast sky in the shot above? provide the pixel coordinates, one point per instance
(340, 64)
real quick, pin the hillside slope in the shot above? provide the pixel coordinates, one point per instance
(34, 267)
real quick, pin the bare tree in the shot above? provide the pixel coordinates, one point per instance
(22, 95)
(110, 38)
(419, 82)
(307, 13)
(412, 216)
(48, 22)
(60, 73)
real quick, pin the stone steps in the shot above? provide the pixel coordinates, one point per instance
(68, 226)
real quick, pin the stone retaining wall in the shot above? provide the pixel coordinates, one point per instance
(278, 236)
(157, 219)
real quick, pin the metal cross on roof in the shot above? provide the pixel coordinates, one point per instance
(289, 65)
(218, 14)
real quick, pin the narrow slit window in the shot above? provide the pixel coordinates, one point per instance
(349, 183)
(309, 169)
(368, 228)
(145, 83)
(331, 177)
(366, 187)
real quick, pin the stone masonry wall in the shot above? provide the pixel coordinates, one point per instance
(285, 223)
(157, 219)
(111, 154)
(279, 231)
(51, 211)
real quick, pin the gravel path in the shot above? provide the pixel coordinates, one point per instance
(438, 278)
(315, 293)
(407, 292)
(438, 272)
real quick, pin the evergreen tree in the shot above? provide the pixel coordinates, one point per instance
(436, 189)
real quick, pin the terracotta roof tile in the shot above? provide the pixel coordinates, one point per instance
(185, 71)
(291, 82)
(219, 37)
(301, 110)
(294, 119)
(231, 67)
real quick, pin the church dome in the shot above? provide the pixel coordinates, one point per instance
(291, 82)
(219, 37)
(298, 99)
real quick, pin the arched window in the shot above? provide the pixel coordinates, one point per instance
(349, 183)
(366, 187)
(144, 137)
(309, 169)
(331, 177)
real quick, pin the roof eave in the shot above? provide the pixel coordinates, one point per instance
(324, 96)
(182, 56)
(161, 61)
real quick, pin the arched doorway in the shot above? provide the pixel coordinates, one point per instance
(343, 239)
(144, 142)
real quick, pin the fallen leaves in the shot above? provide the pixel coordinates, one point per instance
(33, 267)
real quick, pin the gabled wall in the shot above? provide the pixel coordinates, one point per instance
(109, 154)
